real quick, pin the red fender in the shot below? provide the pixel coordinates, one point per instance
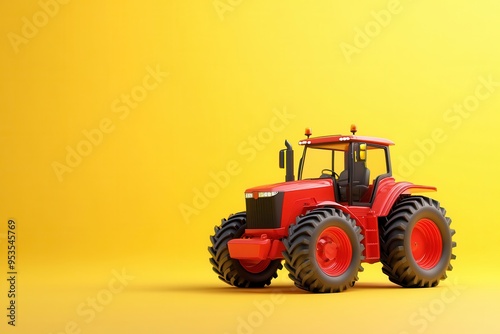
(388, 191)
(336, 205)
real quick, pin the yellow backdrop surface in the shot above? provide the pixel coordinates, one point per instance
(129, 129)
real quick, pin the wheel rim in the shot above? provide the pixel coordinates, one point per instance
(255, 267)
(333, 251)
(426, 244)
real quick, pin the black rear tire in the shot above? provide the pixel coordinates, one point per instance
(416, 243)
(242, 274)
(323, 251)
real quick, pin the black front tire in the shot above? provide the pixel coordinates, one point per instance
(323, 251)
(416, 243)
(242, 274)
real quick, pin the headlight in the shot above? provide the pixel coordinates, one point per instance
(267, 194)
(262, 194)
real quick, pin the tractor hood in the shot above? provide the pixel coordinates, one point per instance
(278, 205)
(291, 186)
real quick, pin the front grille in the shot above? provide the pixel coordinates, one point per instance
(264, 212)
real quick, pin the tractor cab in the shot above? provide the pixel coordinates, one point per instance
(355, 164)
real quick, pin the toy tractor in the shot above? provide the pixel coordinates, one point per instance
(345, 208)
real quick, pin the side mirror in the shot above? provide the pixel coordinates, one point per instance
(288, 164)
(362, 152)
(282, 159)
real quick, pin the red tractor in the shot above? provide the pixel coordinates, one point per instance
(345, 208)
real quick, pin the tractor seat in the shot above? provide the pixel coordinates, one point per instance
(360, 182)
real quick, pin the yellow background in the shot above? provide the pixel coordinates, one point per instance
(231, 70)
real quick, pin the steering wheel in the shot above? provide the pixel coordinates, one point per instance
(327, 171)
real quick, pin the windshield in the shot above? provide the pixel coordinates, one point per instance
(319, 161)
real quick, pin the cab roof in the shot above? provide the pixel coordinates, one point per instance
(341, 142)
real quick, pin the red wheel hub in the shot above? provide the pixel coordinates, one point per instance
(333, 251)
(255, 267)
(426, 243)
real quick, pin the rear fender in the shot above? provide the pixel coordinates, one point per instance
(389, 191)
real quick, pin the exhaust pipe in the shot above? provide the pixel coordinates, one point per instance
(289, 161)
